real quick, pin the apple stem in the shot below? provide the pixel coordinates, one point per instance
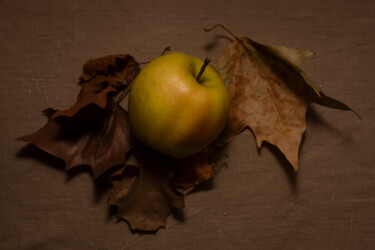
(205, 63)
(223, 27)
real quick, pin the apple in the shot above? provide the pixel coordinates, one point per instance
(178, 105)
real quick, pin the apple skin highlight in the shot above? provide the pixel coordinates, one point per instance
(173, 113)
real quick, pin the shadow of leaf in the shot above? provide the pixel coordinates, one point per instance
(32, 152)
(213, 44)
(285, 164)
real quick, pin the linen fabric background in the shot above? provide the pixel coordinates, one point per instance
(255, 201)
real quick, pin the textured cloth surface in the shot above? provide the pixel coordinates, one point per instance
(255, 201)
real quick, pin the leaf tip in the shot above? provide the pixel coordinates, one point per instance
(308, 53)
(295, 168)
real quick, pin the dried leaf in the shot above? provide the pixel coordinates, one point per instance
(96, 137)
(100, 77)
(144, 194)
(123, 68)
(270, 94)
(193, 170)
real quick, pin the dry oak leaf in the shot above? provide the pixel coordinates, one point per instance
(102, 76)
(269, 93)
(93, 136)
(144, 193)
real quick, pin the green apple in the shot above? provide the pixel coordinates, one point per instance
(172, 111)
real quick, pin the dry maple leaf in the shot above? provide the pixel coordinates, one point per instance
(144, 193)
(100, 77)
(93, 136)
(269, 93)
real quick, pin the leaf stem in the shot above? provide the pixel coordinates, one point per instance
(224, 28)
(205, 63)
(168, 48)
(124, 92)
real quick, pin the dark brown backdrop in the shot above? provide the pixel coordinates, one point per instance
(256, 201)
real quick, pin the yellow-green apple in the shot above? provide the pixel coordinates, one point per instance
(174, 108)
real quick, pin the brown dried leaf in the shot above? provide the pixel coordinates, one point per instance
(144, 194)
(270, 94)
(193, 170)
(96, 137)
(120, 67)
(100, 77)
